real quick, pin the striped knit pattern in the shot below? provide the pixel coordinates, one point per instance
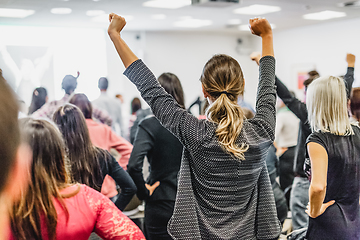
(218, 197)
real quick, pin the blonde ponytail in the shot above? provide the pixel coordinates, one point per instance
(223, 80)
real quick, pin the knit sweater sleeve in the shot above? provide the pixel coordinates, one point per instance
(265, 116)
(187, 128)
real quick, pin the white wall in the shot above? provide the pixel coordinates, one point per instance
(323, 47)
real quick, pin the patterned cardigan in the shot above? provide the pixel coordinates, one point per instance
(218, 197)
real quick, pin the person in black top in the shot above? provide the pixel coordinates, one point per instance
(299, 193)
(334, 150)
(90, 164)
(163, 151)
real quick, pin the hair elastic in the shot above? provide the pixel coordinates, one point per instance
(224, 92)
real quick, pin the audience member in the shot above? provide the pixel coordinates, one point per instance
(163, 151)
(15, 157)
(55, 208)
(299, 197)
(103, 137)
(69, 84)
(286, 134)
(111, 106)
(224, 189)
(39, 98)
(355, 104)
(135, 106)
(90, 164)
(334, 150)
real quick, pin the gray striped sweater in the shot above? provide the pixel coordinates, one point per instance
(218, 197)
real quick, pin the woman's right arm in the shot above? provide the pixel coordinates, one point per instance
(266, 96)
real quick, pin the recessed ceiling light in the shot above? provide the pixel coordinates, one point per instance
(257, 9)
(93, 13)
(105, 18)
(324, 15)
(234, 22)
(192, 23)
(170, 4)
(158, 16)
(245, 27)
(15, 13)
(61, 10)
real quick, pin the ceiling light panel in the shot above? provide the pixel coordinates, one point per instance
(324, 15)
(15, 13)
(192, 23)
(61, 10)
(257, 9)
(169, 4)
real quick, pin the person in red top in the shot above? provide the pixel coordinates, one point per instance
(103, 137)
(52, 206)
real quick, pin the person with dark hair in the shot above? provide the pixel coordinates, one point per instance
(299, 197)
(90, 164)
(15, 156)
(135, 105)
(69, 84)
(163, 151)
(111, 106)
(53, 206)
(355, 103)
(39, 98)
(103, 137)
(224, 189)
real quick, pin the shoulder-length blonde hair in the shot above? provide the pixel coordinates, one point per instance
(326, 103)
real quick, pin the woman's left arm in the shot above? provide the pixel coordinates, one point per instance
(317, 190)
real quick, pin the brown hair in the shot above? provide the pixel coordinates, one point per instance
(82, 102)
(355, 103)
(9, 130)
(49, 173)
(135, 105)
(171, 83)
(83, 155)
(312, 76)
(223, 80)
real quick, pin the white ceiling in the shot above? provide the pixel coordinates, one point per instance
(290, 16)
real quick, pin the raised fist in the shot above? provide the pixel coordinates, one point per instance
(255, 56)
(350, 59)
(117, 23)
(260, 27)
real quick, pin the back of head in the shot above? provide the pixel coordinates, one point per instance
(103, 83)
(135, 105)
(171, 83)
(38, 99)
(84, 164)
(355, 103)
(82, 102)
(312, 76)
(69, 83)
(326, 102)
(223, 80)
(48, 172)
(9, 130)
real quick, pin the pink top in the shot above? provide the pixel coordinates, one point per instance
(103, 137)
(90, 211)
